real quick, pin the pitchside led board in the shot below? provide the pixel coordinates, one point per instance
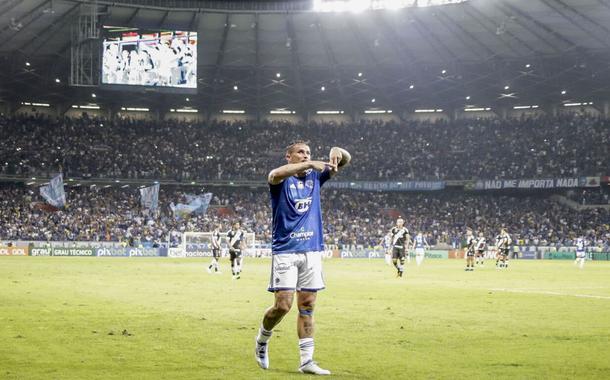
(135, 58)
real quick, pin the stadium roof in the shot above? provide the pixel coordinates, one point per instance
(496, 52)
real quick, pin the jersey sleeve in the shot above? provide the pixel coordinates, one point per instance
(276, 189)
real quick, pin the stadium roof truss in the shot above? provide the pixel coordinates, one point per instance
(302, 60)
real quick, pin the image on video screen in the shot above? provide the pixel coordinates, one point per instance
(149, 58)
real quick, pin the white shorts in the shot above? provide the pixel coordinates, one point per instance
(419, 251)
(296, 271)
(581, 255)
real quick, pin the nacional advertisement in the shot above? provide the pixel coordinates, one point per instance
(544, 183)
(198, 250)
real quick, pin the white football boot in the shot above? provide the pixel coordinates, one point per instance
(312, 368)
(261, 354)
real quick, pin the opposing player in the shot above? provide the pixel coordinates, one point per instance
(420, 244)
(581, 252)
(296, 264)
(387, 245)
(215, 251)
(481, 246)
(503, 241)
(236, 238)
(400, 243)
(471, 242)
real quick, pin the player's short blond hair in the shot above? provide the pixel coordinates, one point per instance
(291, 146)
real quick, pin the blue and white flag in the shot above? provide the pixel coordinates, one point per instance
(54, 192)
(149, 197)
(201, 201)
(197, 205)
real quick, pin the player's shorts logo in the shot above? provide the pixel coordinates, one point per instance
(281, 268)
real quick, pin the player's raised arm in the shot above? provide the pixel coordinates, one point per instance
(338, 158)
(277, 175)
(298, 156)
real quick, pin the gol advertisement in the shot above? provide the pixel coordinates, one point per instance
(14, 251)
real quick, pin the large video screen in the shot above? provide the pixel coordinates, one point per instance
(139, 57)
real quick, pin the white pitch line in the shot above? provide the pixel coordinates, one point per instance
(550, 293)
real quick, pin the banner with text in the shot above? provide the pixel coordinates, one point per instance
(13, 251)
(544, 183)
(388, 186)
(74, 251)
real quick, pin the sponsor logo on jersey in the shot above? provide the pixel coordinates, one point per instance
(300, 185)
(309, 183)
(302, 205)
(301, 235)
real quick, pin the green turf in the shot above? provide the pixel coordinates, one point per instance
(63, 318)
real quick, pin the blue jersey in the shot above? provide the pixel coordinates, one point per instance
(420, 242)
(297, 216)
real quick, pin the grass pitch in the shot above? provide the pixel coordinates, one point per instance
(159, 318)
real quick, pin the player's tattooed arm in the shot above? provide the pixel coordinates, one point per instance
(277, 175)
(339, 157)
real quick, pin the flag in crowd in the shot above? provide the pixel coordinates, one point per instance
(197, 205)
(54, 192)
(149, 197)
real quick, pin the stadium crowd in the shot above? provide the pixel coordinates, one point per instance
(590, 197)
(562, 146)
(351, 217)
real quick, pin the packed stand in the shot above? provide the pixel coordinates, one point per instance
(351, 218)
(563, 146)
(590, 197)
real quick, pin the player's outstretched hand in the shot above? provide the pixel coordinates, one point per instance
(321, 165)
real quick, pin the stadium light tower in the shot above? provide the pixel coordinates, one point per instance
(84, 55)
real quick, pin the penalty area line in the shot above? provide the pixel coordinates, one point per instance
(550, 293)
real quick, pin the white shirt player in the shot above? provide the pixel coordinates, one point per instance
(471, 241)
(387, 241)
(216, 239)
(581, 247)
(235, 239)
(481, 244)
(503, 240)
